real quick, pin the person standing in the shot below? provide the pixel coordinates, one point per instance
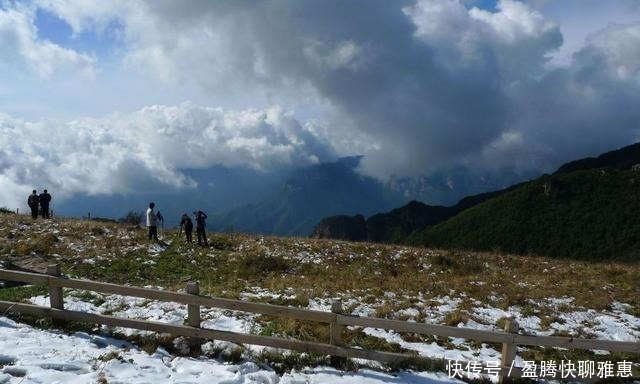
(160, 222)
(152, 222)
(200, 225)
(44, 199)
(187, 225)
(33, 201)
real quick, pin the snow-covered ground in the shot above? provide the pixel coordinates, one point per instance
(30, 355)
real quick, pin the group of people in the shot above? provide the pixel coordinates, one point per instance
(41, 201)
(186, 224)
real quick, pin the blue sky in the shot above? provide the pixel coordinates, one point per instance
(102, 44)
(414, 86)
(484, 4)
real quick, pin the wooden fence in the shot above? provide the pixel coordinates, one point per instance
(336, 320)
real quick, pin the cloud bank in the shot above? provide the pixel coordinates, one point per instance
(147, 150)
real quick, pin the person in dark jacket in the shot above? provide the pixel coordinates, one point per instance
(160, 219)
(200, 225)
(44, 199)
(187, 225)
(33, 202)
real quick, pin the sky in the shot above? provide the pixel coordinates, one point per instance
(113, 97)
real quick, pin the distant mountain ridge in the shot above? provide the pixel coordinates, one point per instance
(307, 196)
(586, 214)
(240, 198)
(352, 228)
(449, 186)
(623, 158)
(218, 189)
(588, 209)
(396, 225)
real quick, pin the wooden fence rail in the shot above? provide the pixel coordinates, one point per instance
(336, 320)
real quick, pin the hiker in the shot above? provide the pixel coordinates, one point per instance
(152, 222)
(200, 224)
(44, 199)
(161, 222)
(33, 202)
(187, 225)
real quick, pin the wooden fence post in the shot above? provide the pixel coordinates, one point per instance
(335, 334)
(55, 293)
(508, 350)
(193, 312)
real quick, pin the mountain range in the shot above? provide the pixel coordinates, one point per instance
(218, 190)
(308, 195)
(587, 209)
(326, 189)
(285, 202)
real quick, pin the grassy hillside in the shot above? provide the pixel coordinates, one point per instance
(235, 263)
(396, 225)
(530, 224)
(547, 296)
(593, 214)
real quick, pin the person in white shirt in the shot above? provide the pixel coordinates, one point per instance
(152, 222)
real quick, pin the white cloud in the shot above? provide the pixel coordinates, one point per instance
(148, 149)
(20, 44)
(414, 86)
(514, 21)
(83, 15)
(616, 49)
(517, 37)
(578, 19)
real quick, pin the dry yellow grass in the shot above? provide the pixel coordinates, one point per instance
(323, 268)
